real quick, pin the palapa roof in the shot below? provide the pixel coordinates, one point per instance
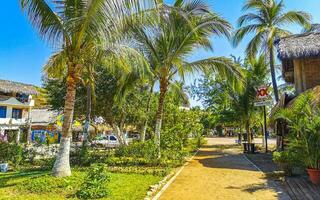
(305, 45)
(16, 87)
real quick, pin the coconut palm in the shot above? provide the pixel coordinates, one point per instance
(267, 21)
(177, 32)
(243, 100)
(72, 27)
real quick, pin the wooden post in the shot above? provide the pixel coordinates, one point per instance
(265, 128)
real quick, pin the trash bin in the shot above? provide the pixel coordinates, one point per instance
(4, 167)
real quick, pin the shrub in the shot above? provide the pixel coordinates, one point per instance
(81, 156)
(95, 184)
(11, 153)
(146, 150)
(303, 119)
(286, 161)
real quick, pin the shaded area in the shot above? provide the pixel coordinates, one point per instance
(264, 162)
(223, 156)
(6, 177)
(300, 188)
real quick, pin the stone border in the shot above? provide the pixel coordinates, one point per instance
(157, 190)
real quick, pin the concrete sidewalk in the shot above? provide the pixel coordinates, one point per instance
(221, 172)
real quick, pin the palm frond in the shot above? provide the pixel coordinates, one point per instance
(49, 25)
(56, 67)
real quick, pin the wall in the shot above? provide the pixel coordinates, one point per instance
(306, 74)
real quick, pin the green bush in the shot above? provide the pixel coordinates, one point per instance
(303, 119)
(12, 153)
(286, 160)
(95, 184)
(146, 150)
(81, 156)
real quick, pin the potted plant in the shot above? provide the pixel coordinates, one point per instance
(303, 118)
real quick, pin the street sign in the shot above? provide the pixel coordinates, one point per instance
(263, 98)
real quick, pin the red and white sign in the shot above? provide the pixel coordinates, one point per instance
(262, 92)
(263, 98)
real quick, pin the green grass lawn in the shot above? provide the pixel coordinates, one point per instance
(40, 185)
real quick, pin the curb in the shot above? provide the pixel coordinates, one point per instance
(171, 177)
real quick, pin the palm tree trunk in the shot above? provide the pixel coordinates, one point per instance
(61, 166)
(144, 130)
(88, 116)
(119, 134)
(273, 75)
(163, 91)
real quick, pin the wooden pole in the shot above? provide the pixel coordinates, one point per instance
(265, 128)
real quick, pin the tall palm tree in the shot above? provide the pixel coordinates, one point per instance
(267, 21)
(177, 32)
(72, 27)
(243, 100)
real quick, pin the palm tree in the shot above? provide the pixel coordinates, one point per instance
(243, 100)
(73, 27)
(267, 21)
(177, 32)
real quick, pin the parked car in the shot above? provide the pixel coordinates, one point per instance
(110, 141)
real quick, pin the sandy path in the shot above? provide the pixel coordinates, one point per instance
(219, 172)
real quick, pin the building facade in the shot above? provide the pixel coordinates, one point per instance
(300, 57)
(16, 104)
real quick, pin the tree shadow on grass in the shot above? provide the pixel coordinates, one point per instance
(17, 177)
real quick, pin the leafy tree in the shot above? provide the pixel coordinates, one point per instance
(168, 40)
(233, 105)
(268, 22)
(74, 27)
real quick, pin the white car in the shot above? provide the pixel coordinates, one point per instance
(110, 141)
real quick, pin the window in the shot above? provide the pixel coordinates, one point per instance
(3, 111)
(16, 113)
(112, 138)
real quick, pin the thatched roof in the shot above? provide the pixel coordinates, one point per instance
(306, 45)
(16, 87)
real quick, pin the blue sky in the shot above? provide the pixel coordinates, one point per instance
(23, 53)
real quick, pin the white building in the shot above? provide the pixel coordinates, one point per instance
(15, 107)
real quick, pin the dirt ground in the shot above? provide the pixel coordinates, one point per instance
(220, 172)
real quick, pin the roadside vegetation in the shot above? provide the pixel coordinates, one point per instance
(122, 64)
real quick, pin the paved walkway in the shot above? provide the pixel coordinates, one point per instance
(220, 172)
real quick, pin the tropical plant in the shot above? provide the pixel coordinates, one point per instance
(243, 101)
(74, 27)
(303, 118)
(168, 40)
(230, 105)
(268, 22)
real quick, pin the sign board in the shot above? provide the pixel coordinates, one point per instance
(263, 98)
